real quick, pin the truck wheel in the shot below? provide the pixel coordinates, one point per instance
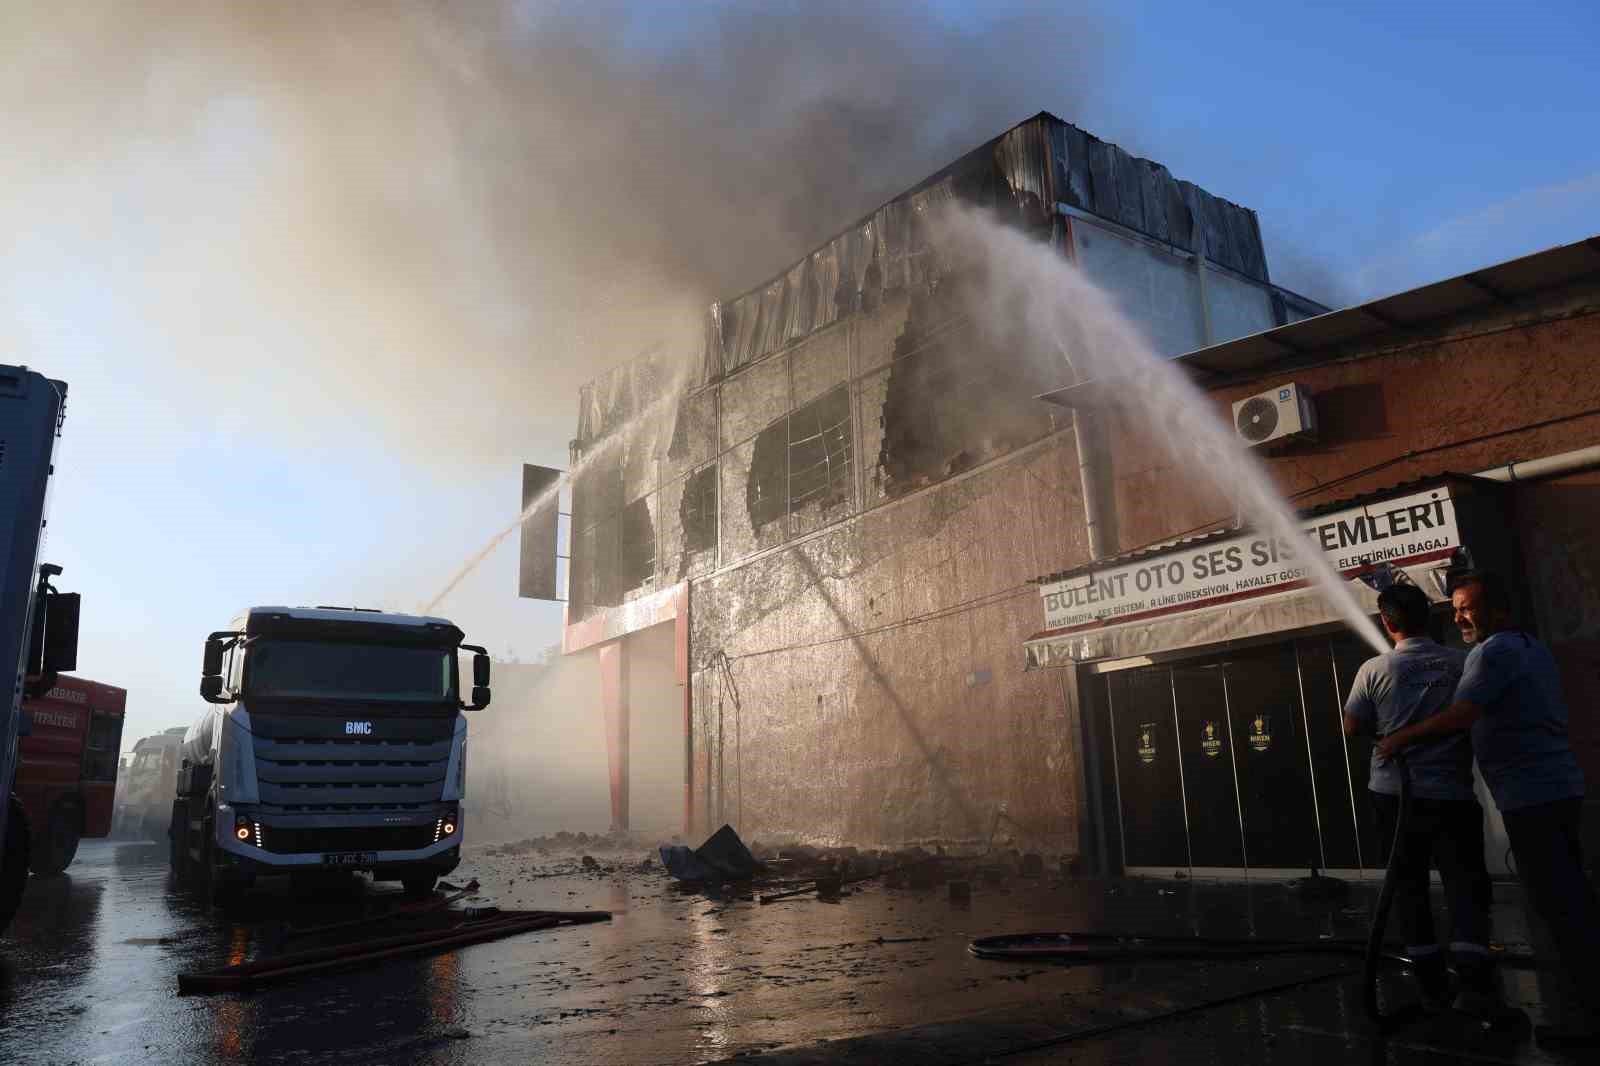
(54, 851)
(178, 844)
(14, 863)
(419, 886)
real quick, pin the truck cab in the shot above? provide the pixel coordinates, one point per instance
(146, 785)
(67, 773)
(336, 739)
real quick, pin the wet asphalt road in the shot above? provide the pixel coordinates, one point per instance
(88, 974)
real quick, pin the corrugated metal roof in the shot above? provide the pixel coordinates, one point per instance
(1030, 169)
(1478, 289)
(1162, 547)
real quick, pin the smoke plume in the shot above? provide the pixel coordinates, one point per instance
(442, 218)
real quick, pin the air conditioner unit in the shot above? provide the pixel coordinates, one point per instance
(1275, 417)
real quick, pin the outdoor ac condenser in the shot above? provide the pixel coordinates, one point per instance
(1282, 414)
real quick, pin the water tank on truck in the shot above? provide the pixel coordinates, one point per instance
(336, 739)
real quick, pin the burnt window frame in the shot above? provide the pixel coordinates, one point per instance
(833, 440)
(636, 530)
(698, 515)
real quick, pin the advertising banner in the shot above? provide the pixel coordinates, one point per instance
(1399, 531)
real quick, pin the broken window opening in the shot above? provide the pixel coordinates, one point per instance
(636, 562)
(698, 512)
(820, 454)
(764, 492)
(953, 405)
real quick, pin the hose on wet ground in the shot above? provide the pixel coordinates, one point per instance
(1380, 919)
(1096, 947)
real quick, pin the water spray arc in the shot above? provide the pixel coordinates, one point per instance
(550, 497)
(1029, 287)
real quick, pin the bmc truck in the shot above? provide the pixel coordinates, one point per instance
(67, 775)
(38, 626)
(146, 786)
(336, 742)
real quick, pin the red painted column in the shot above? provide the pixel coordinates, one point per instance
(681, 663)
(614, 702)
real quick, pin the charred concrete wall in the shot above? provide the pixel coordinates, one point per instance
(849, 379)
(865, 685)
(858, 488)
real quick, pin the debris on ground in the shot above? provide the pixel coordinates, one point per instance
(723, 857)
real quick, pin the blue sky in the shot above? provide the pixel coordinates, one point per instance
(179, 255)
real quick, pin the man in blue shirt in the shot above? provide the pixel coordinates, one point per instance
(1510, 698)
(1410, 684)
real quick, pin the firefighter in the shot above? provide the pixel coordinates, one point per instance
(1410, 684)
(1510, 698)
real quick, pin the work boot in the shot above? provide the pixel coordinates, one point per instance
(1433, 979)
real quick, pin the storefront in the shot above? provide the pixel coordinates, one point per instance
(1211, 681)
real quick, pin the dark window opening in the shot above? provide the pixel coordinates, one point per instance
(765, 495)
(637, 563)
(820, 470)
(952, 405)
(698, 511)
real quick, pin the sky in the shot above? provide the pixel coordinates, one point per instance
(321, 277)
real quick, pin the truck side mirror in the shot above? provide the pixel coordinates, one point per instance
(211, 689)
(480, 670)
(480, 698)
(61, 632)
(211, 664)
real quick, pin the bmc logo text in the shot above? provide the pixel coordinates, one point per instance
(358, 728)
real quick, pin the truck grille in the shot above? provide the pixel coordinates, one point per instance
(306, 764)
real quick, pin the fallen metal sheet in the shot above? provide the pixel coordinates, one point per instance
(287, 967)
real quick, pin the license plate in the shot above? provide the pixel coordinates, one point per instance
(348, 858)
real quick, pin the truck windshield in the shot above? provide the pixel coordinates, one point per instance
(293, 669)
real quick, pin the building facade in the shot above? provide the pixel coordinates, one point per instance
(847, 509)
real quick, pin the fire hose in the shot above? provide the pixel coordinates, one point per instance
(1380, 918)
(1091, 947)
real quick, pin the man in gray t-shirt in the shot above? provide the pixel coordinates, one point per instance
(1391, 692)
(1510, 698)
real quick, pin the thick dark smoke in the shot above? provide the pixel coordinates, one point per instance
(450, 215)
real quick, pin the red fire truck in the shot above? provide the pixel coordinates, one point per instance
(67, 768)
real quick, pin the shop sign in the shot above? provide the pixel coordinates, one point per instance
(1211, 741)
(1147, 742)
(1394, 531)
(1260, 735)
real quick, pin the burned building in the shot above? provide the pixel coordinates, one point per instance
(847, 507)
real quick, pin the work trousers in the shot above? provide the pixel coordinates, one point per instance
(1448, 833)
(1545, 840)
